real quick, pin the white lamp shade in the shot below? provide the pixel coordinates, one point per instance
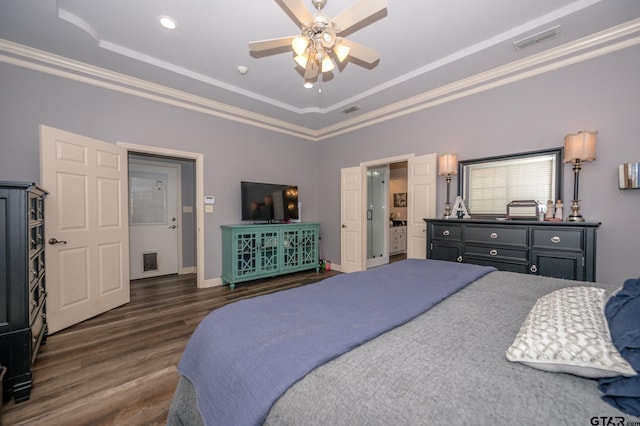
(448, 164)
(327, 64)
(302, 60)
(341, 51)
(299, 44)
(580, 146)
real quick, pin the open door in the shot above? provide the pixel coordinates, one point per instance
(421, 183)
(86, 226)
(351, 220)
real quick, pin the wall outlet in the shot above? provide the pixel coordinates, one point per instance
(208, 208)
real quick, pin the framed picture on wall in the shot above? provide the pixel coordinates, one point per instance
(400, 199)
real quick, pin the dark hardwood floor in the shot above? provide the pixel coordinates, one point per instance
(119, 368)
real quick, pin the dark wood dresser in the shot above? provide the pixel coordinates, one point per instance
(554, 249)
(23, 326)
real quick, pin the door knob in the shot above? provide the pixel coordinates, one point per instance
(344, 226)
(53, 241)
(173, 227)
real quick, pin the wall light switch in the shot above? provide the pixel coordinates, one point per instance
(187, 209)
(208, 208)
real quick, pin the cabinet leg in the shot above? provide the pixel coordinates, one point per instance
(22, 391)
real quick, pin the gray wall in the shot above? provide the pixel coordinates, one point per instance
(602, 94)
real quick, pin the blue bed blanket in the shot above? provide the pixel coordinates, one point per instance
(245, 355)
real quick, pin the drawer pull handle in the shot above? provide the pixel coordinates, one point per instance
(534, 269)
(493, 236)
(555, 240)
(446, 232)
(493, 252)
(459, 259)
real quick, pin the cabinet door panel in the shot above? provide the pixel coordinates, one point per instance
(445, 251)
(558, 264)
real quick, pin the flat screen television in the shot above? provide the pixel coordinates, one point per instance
(269, 202)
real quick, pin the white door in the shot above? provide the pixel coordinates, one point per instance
(153, 219)
(351, 217)
(421, 203)
(86, 226)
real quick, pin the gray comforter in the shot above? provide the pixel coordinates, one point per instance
(446, 366)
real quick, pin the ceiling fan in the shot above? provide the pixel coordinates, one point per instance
(319, 40)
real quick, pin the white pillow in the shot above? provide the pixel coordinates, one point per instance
(567, 332)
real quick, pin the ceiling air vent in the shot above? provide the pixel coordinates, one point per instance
(537, 38)
(351, 109)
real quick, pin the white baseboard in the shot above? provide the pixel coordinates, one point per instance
(187, 270)
(212, 282)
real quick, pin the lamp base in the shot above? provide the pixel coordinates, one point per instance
(447, 211)
(575, 215)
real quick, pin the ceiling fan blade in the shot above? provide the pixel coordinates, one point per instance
(358, 13)
(297, 10)
(363, 53)
(274, 43)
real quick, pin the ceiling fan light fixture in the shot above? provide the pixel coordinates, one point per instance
(328, 38)
(300, 44)
(308, 85)
(341, 51)
(327, 64)
(302, 60)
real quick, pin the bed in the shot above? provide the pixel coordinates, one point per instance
(442, 358)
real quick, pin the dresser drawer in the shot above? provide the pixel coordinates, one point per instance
(494, 235)
(447, 232)
(565, 239)
(496, 252)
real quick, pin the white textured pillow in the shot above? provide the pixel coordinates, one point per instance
(567, 332)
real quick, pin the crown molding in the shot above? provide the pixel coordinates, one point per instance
(611, 40)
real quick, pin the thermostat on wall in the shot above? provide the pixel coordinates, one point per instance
(209, 199)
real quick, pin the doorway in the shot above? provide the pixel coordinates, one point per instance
(377, 216)
(419, 201)
(196, 218)
(155, 224)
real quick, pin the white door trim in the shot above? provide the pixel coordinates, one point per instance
(199, 160)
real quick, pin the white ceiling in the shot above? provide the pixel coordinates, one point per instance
(424, 45)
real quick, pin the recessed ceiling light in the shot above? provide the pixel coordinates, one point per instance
(167, 22)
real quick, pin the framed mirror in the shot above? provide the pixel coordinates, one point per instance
(487, 185)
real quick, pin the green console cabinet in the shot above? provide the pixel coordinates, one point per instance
(250, 252)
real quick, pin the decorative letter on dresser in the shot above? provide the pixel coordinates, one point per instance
(23, 326)
(250, 252)
(554, 249)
